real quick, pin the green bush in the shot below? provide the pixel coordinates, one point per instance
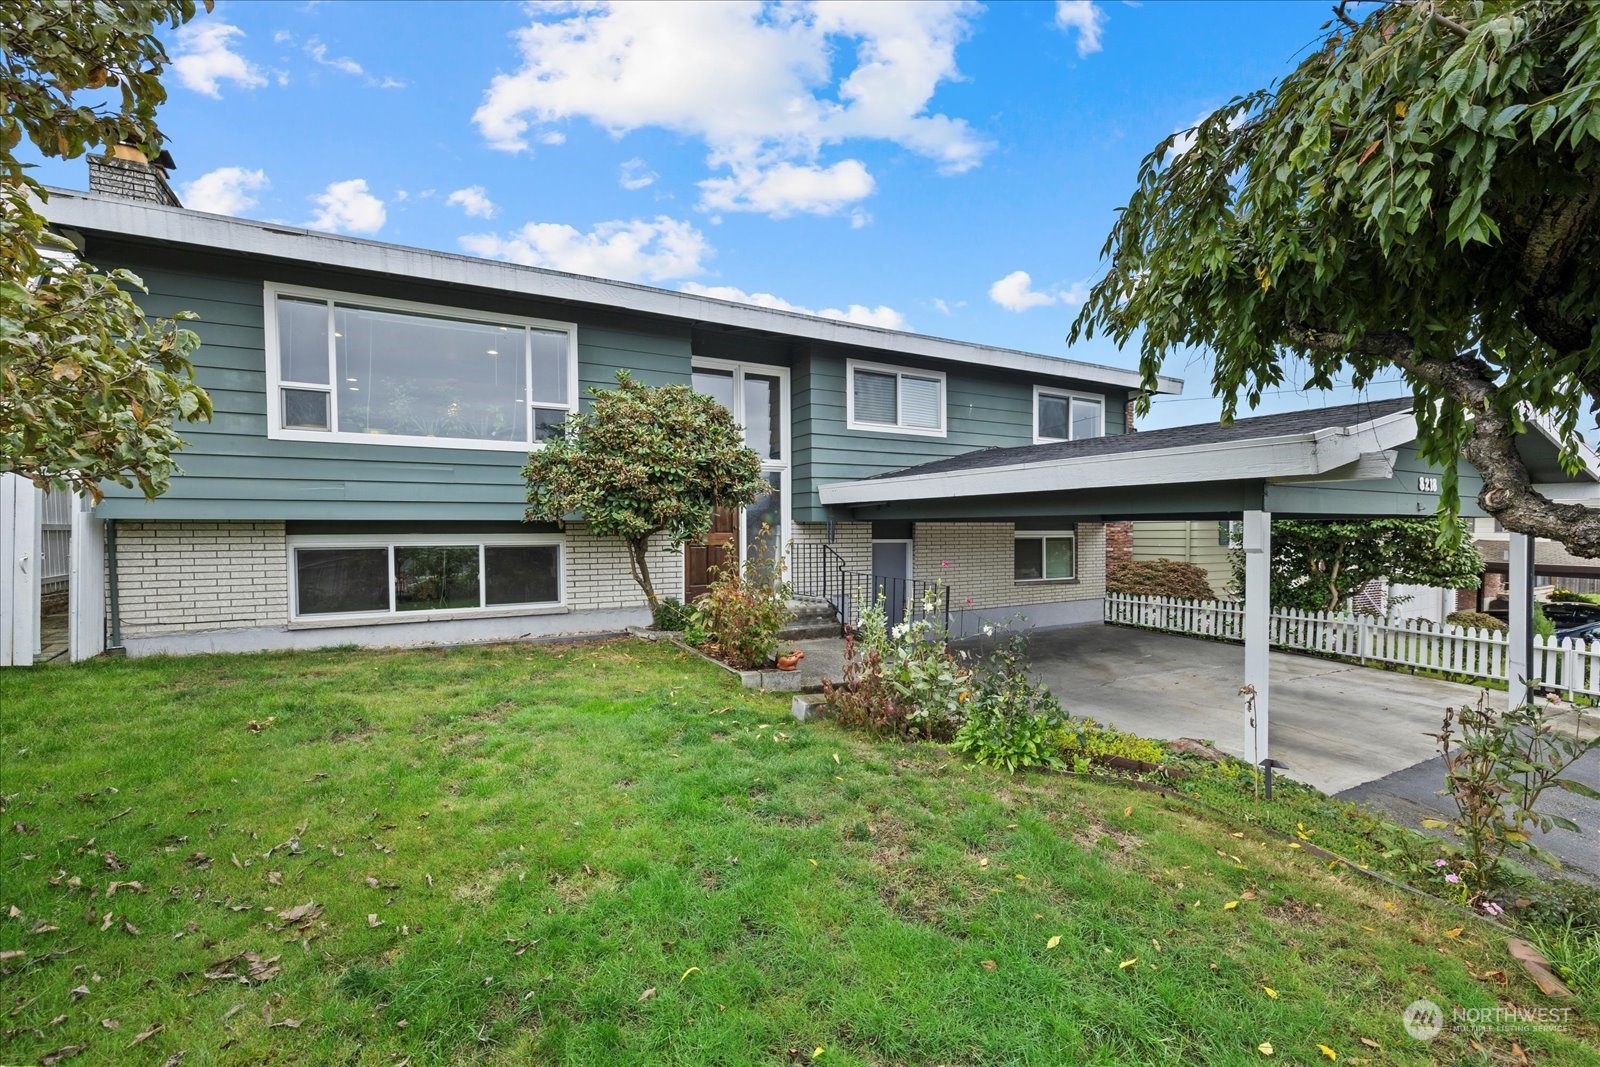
(1160, 577)
(900, 679)
(673, 614)
(1089, 739)
(1011, 721)
(1567, 596)
(1574, 953)
(739, 617)
(1475, 620)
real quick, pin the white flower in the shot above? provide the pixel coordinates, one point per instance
(899, 631)
(988, 629)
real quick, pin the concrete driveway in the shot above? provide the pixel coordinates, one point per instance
(1335, 725)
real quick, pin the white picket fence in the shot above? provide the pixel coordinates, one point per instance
(1567, 666)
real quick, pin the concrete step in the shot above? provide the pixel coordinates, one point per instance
(797, 631)
(811, 611)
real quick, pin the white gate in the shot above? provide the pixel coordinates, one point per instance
(19, 571)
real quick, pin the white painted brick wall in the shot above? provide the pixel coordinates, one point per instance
(175, 577)
(178, 576)
(851, 540)
(981, 565)
(598, 575)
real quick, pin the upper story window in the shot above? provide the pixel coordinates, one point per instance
(352, 368)
(1062, 416)
(894, 400)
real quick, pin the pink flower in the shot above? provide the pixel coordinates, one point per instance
(1453, 878)
(1491, 908)
(944, 563)
(1441, 863)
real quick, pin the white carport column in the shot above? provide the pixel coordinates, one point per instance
(1257, 615)
(1519, 649)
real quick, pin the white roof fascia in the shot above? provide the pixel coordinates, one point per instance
(154, 222)
(1285, 456)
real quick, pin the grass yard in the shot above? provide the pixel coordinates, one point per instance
(604, 853)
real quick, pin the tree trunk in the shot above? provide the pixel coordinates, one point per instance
(638, 549)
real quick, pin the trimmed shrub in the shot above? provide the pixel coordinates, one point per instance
(1476, 620)
(1567, 596)
(1090, 740)
(673, 614)
(1160, 577)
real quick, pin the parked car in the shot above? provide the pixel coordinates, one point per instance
(1565, 614)
(1583, 631)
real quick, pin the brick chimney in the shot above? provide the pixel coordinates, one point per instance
(124, 172)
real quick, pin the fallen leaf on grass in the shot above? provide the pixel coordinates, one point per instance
(300, 913)
(816, 1052)
(284, 1024)
(647, 994)
(1125, 964)
(1265, 1048)
(256, 969)
(1127, 811)
(373, 922)
(1230, 905)
(111, 917)
(1269, 991)
(988, 965)
(111, 1024)
(1367, 1041)
(66, 1052)
(274, 877)
(686, 974)
(79, 993)
(1453, 933)
(58, 1020)
(132, 887)
(146, 1035)
(1328, 1052)
(1053, 942)
(11, 954)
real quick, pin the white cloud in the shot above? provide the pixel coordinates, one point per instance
(755, 82)
(1015, 292)
(387, 82)
(654, 250)
(786, 188)
(1087, 18)
(204, 58)
(947, 307)
(344, 64)
(474, 200)
(552, 137)
(224, 191)
(636, 174)
(882, 315)
(348, 206)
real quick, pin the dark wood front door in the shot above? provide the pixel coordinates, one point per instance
(721, 547)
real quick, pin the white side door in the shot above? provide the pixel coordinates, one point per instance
(19, 568)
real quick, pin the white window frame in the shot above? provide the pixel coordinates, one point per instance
(276, 383)
(1044, 554)
(782, 466)
(369, 541)
(852, 365)
(1070, 395)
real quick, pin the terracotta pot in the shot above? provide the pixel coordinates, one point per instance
(790, 661)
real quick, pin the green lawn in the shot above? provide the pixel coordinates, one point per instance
(603, 853)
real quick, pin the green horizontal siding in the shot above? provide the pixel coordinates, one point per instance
(984, 408)
(1396, 497)
(233, 470)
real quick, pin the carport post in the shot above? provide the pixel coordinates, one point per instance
(1257, 617)
(1519, 645)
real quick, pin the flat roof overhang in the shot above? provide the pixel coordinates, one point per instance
(1291, 475)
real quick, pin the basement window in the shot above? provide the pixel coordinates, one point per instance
(358, 576)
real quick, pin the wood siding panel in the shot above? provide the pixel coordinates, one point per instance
(983, 409)
(232, 470)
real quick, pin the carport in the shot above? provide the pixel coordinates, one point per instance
(1354, 461)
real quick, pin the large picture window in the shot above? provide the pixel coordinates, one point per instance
(895, 400)
(1045, 556)
(362, 369)
(359, 576)
(1063, 416)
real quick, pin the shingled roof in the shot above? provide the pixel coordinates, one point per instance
(1259, 427)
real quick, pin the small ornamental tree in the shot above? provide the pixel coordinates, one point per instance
(90, 389)
(645, 460)
(1316, 566)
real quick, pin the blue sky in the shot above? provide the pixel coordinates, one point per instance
(947, 168)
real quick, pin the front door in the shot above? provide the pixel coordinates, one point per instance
(721, 547)
(891, 577)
